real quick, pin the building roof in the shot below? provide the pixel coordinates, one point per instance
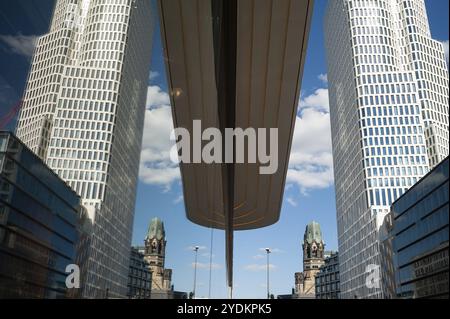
(312, 233)
(156, 229)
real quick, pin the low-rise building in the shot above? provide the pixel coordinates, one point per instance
(327, 279)
(139, 276)
(420, 237)
(40, 221)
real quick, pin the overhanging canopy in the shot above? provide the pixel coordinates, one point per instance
(235, 63)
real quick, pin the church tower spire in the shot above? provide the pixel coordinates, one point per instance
(155, 254)
(313, 258)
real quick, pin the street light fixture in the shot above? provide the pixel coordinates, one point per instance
(195, 271)
(268, 251)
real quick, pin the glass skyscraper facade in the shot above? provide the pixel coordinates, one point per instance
(420, 236)
(139, 276)
(40, 225)
(388, 89)
(83, 114)
(327, 279)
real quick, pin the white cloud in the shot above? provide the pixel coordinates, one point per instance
(206, 265)
(156, 168)
(291, 201)
(318, 101)
(178, 200)
(20, 44)
(153, 75)
(310, 165)
(311, 160)
(311, 178)
(156, 97)
(259, 256)
(259, 267)
(445, 44)
(323, 78)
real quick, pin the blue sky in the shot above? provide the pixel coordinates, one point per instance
(309, 193)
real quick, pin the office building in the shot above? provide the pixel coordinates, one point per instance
(83, 114)
(388, 90)
(386, 279)
(139, 276)
(420, 235)
(327, 279)
(40, 225)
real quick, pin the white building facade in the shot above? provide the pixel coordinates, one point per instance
(388, 89)
(83, 113)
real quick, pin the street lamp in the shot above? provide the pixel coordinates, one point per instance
(268, 251)
(195, 271)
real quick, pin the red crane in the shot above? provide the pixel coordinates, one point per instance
(10, 115)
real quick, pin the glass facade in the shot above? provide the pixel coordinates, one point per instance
(39, 225)
(83, 114)
(327, 279)
(387, 257)
(388, 92)
(139, 276)
(420, 237)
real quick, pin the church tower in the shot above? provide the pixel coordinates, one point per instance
(155, 253)
(313, 258)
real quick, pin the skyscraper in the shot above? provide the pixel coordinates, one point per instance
(83, 112)
(388, 89)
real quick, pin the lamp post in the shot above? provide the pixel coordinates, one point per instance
(268, 291)
(195, 271)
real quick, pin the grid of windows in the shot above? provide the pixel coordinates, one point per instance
(327, 279)
(139, 276)
(83, 114)
(420, 237)
(388, 87)
(39, 228)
